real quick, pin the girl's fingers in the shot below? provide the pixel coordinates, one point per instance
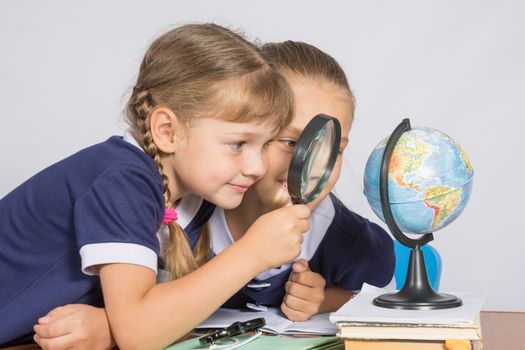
(309, 278)
(58, 343)
(294, 315)
(57, 328)
(57, 313)
(306, 293)
(296, 303)
(300, 265)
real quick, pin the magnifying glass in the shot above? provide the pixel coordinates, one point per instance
(312, 162)
(314, 158)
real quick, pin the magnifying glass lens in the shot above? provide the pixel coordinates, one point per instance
(317, 160)
(314, 158)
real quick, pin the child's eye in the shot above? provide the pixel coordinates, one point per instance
(290, 143)
(266, 144)
(237, 146)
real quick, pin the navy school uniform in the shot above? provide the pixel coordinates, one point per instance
(103, 204)
(345, 248)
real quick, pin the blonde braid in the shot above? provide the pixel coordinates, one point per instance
(179, 257)
(202, 250)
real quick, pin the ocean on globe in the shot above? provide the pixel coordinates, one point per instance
(429, 180)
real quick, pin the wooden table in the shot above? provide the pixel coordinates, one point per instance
(503, 330)
(500, 331)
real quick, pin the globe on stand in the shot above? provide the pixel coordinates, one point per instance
(417, 181)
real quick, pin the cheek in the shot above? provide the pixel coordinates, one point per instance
(334, 176)
(273, 171)
(266, 184)
(268, 188)
(223, 166)
(208, 170)
(278, 160)
(215, 161)
(336, 172)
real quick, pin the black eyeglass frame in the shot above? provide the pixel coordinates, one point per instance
(232, 330)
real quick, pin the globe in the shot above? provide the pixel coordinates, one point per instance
(429, 180)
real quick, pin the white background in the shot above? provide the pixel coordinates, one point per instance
(457, 66)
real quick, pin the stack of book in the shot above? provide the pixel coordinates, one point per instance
(365, 326)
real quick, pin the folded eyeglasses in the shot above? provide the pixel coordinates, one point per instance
(230, 337)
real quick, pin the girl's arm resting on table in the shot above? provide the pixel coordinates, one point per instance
(86, 327)
(144, 315)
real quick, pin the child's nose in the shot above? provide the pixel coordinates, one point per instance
(254, 166)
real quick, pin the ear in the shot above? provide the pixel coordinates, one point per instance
(163, 126)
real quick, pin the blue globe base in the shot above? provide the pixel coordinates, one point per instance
(417, 294)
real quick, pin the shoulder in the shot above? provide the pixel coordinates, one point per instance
(113, 155)
(350, 227)
(365, 250)
(114, 162)
(119, 204)
(115, 179)
(110, 166)
(116, 150)
(347, 220)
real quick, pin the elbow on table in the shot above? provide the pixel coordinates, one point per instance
(137, 339)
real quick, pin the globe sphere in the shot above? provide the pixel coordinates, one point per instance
(429, 180)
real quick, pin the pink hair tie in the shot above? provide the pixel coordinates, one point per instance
(170, 214)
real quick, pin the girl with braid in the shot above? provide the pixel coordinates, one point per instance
(203, 110)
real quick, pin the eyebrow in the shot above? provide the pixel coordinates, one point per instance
(241, 133)
(292, 129)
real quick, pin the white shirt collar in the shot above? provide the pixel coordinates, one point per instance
(320, 219)
(129, 138)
